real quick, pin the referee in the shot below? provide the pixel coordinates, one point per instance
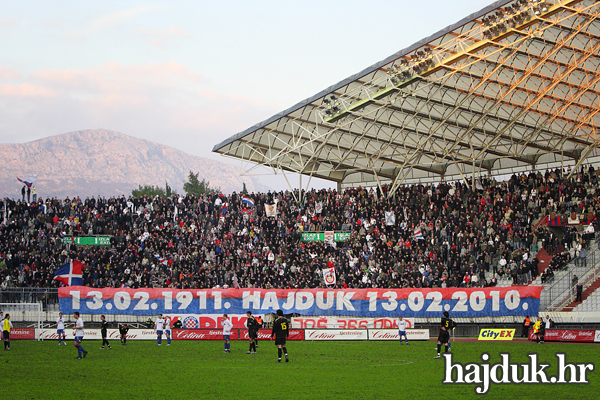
(104, 332)
(6, 327)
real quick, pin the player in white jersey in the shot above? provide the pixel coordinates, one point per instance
(158, 328)
(402, 324)
(227, 326)
(60, 329)
(168, 330)
(79, 336)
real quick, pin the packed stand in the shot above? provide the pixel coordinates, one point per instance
(443, 236)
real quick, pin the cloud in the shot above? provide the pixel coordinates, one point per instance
(25, 90)
(74, 37)
(115, 77)
(52, 22)
(163, 37)
(163, 102)
(7, 22)
(8, 73)
(174, 31)
(114, 18)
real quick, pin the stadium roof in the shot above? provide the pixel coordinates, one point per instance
(511, 88)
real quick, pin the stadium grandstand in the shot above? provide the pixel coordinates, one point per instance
(465, 160)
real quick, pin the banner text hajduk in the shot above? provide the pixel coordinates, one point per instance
(467, 302)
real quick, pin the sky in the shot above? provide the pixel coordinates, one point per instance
(190, 74)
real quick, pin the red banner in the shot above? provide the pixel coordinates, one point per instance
(265, 334)
(566, 335)
(242, 334)
(22, 333)
(348, 323)
(202, 334)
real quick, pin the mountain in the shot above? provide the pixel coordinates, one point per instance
(107, 163)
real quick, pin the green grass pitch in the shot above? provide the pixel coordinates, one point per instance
(317, 370)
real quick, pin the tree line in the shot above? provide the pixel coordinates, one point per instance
(192, 186)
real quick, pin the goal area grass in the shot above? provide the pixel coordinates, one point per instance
(317, 370)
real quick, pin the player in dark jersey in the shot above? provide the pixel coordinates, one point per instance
(444, 337)
(103, 332)
(253, 327)
(281, 331)
(123, 329)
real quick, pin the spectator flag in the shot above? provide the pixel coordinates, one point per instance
(319, 207)
(271, 210)
(161, 260)
(246, 211)
(247, 206)
(418, 233)
(390, 218)
(247, 202)
(70, 274)
(28, 181)
(224, 209)
(329, 276)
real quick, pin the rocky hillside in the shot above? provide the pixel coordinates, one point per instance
(107, 163)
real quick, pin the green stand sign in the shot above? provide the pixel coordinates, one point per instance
(325, 236)
(87, 240)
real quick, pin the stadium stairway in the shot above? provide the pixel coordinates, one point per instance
(544, 260)
(590, 299)
(556, 295)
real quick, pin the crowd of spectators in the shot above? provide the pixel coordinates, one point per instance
(445, 235)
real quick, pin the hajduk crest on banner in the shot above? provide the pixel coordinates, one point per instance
(329, 276)
(319, 207)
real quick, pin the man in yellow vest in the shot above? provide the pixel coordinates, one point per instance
(537, 329)
(6, 327)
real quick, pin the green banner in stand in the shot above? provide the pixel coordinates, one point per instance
(87, 240)
(324, 236)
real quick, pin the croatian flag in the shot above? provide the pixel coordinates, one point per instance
(70, 274)
(418, 233)
(247, 201)
(161, 260)
(28, 181)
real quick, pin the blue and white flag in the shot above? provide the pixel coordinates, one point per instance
(390, 218)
